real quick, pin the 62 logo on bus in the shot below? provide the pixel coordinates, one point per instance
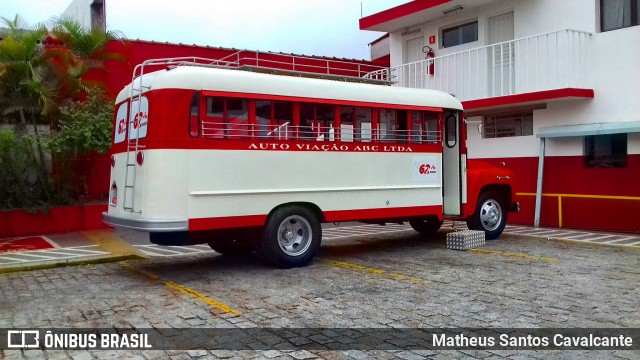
(140, 119)
(425, 169)
(122, 125)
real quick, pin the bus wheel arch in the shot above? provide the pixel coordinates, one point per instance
(490, 213)
(292, 235)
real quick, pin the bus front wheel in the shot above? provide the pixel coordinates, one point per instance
(291, 237)
(490, 215)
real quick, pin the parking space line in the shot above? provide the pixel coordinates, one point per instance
(583, 237)
(196, 295)
(41, 256)
(518, 255)
(623, 239)
(599, 238)
(378, 272)
(183, 289)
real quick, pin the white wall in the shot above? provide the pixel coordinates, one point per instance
(79, 10)
(613, 63)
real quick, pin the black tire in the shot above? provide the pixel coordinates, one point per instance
(428, 225)
(291, 238)
(490, 215)
(231, 248)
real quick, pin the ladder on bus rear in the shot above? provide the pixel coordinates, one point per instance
(133, 145)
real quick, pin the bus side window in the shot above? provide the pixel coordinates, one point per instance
(213, 124)
(346, 123)
(402, 131)
(363, 124)
(307, 128)
(316, 122)
(325, 122)
(283, 120)
(417, 127)
(263, 118)
(275, 119)
(424, 127)
(237, 118)
(430, 130)
(387, 125)
(194, 116)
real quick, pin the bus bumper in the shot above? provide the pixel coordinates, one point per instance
(149, 225)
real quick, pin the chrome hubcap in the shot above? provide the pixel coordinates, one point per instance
(490, 215)
(294, 235)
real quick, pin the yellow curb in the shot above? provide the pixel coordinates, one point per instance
(65, 263)
(108, 241)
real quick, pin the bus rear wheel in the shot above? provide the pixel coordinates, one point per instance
(291, 237)
(426, 226)
(490, 215)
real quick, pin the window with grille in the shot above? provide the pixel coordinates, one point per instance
(507, 125)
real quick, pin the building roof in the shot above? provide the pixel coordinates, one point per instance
(416, 12)
(249, 50)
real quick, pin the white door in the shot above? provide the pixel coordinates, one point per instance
(413, 76)
(501, 56)
(452, 174)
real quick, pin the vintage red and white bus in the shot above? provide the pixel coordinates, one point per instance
(248, 161)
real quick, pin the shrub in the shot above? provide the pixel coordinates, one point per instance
(21, 185)
(84, 131)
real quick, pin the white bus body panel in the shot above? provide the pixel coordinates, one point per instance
(173, 186)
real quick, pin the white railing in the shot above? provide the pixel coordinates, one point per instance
(313, 132)
(300, 63)
(542, 62)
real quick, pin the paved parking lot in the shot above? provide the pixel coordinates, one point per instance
(364, 280)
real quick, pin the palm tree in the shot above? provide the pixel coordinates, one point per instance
(21, 71)
(82, 52)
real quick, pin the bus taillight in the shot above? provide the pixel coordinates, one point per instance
(139, 158)
(113, 195)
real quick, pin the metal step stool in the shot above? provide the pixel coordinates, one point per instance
(465, 240)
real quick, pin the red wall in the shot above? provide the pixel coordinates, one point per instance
(119, 75)
(568, 175)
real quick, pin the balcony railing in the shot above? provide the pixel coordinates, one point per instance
(542, 62)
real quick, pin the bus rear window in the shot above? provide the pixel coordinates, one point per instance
(120, 126)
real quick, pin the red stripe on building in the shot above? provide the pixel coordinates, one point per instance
(528, 98)
(398, 12)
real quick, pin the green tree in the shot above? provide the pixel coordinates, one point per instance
(38, 80)
(84, 131)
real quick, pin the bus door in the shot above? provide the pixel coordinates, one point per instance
(452, 165)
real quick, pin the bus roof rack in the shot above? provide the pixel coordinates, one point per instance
(278, 64)
(306, 74)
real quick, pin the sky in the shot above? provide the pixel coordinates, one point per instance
(310, 27)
